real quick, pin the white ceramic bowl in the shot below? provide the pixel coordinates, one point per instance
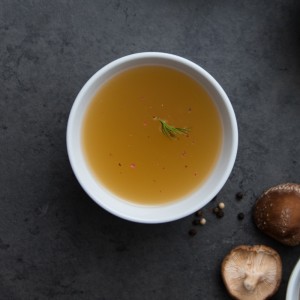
(152, 213)
(293, 290)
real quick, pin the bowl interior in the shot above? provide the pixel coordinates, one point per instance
(151, 213)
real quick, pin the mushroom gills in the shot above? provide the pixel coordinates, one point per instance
(252, 272)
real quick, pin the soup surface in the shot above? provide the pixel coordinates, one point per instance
(126, 148)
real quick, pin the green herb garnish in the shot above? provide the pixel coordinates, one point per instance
(171, 131)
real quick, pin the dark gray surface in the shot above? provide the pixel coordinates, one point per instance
(55, 243)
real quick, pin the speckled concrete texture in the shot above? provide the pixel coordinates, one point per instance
(55, 242)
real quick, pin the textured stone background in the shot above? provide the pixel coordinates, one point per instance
(55, 243)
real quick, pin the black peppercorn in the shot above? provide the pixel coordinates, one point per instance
(216, 210)
(199, 213)
(239, 196)
(192, 232)
(196, 222)
(241, 216)
(220, 214)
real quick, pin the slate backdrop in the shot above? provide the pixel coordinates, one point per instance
(55, 243)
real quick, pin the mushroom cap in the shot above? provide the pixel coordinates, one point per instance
(277, 213)
(252, 272)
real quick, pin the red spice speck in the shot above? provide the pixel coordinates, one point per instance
(132, 166)
(145, 124)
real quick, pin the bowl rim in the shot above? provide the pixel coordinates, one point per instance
(215, 85)
(293, 289)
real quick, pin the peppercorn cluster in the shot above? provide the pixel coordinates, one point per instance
(218, 210)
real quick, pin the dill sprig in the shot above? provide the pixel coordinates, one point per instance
(172, 131)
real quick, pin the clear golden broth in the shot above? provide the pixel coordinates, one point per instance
(125, 147)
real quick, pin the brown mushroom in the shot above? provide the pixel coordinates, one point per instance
(277, 213)
(252, 272)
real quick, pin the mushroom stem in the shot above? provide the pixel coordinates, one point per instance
(251, 282)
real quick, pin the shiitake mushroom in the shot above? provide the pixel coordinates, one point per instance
(252, 272)
(277, 213)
